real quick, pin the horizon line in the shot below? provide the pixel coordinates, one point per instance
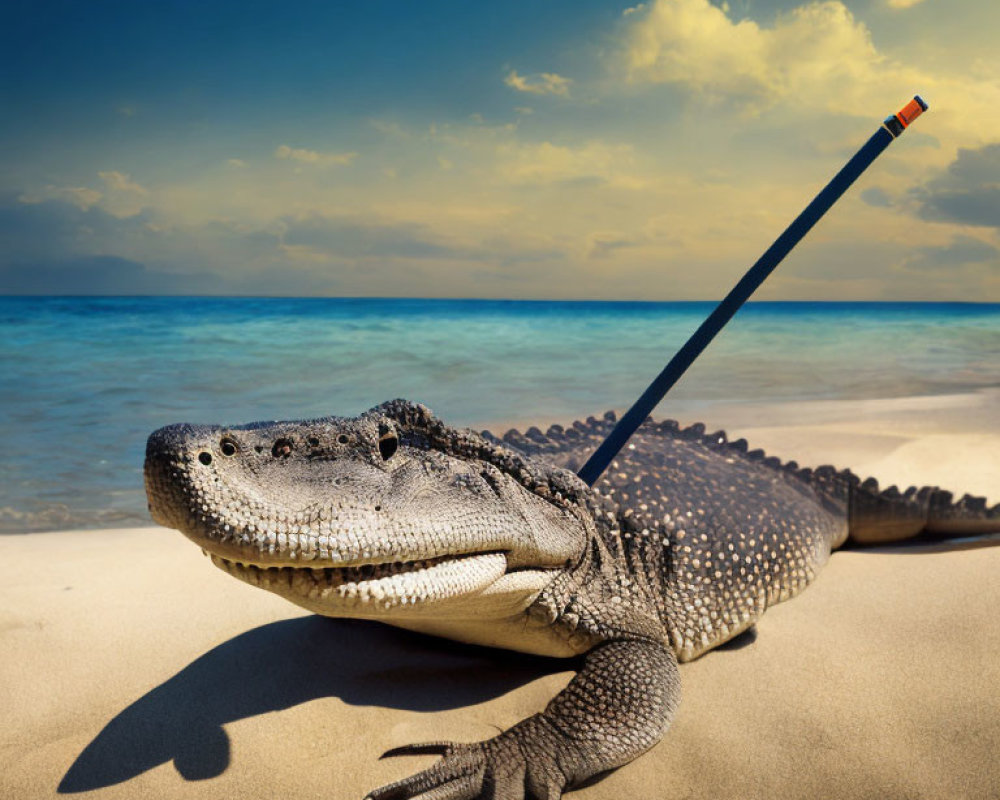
(432, 298)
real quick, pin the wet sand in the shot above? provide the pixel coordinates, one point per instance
(133, 668)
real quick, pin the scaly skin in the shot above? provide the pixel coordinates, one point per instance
(397, 517)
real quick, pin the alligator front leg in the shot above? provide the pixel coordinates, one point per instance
(617, 707)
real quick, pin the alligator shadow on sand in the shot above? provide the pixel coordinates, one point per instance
(306, 658)
(927, 543)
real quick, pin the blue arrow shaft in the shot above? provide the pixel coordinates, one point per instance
(732, 302)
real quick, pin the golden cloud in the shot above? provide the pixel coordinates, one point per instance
(543, 83)
(314, 157)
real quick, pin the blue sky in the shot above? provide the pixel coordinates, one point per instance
(522, 149)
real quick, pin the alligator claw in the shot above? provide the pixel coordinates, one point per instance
(455, 777)
(496, 769)
(421, 749)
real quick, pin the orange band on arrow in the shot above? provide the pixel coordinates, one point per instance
(910, 111)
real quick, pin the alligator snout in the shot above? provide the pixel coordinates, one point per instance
(171, 452)
(198, 474)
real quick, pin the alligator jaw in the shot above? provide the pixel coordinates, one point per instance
(373, 589)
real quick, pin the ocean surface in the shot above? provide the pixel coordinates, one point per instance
(84, 380)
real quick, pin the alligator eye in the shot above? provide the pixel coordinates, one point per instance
(387, 444)
(228, 447)
(282, 448)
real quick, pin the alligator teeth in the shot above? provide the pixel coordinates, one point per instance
(325, 576)
(376, 586)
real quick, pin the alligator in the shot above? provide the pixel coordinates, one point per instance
(398, 517)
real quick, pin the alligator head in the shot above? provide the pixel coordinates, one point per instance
(391, 515)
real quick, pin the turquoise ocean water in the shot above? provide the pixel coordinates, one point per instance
(84, 380)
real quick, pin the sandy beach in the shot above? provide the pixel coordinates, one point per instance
(132, 668)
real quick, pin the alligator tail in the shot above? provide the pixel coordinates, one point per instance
(889, 515)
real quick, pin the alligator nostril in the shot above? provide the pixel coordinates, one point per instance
(313, 441)
(343, 438)
(282, 448)
(205, 458)
(228, 447)
(387, 445)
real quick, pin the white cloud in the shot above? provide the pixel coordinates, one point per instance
(543, 83)
(809, 56)
(815, 58)
(79, 196)
(389, 128)
(121, 182)
(546, 162)
(903, 3)
(236, 163)
(314, 157)
(123, 197)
